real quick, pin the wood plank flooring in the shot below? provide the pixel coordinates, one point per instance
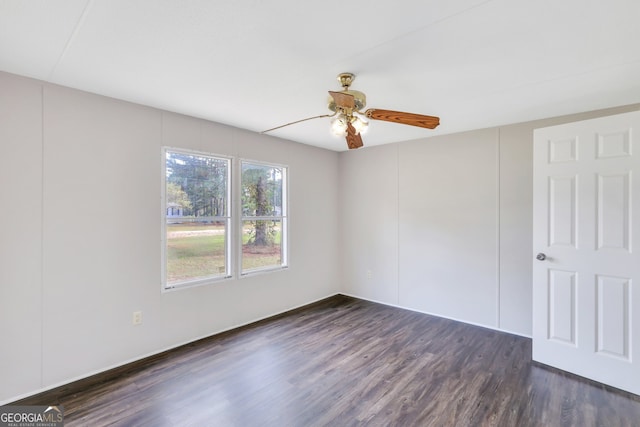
(345, 362)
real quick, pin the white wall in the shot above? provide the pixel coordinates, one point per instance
(369, 222)
(21, 301)
(447, 234)
(72, 271)
(444, 224)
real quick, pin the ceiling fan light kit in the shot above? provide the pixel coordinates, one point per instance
(339, 125)
(347, 106)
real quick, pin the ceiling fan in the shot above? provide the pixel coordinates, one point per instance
(347, 108)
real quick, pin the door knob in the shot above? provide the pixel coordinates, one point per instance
(541, 257)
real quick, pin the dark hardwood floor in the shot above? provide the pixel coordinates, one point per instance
(345, 362)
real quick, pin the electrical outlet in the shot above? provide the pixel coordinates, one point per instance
(137, 318)
(369, 274)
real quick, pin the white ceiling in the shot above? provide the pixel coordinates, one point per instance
(257, 64)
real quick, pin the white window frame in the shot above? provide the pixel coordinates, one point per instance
(284, 218)
(228, 218)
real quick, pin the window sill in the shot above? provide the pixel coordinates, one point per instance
(196, 283)
(263, 270)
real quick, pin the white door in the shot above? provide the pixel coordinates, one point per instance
(586, 235)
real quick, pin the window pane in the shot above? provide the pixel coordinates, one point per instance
(197, 221)
(195, 250)
(264, 207)
(261, 190)
(197, 183)
(261, 244)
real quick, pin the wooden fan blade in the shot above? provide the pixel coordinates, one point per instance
(343, 100)
(354, 140)
(429, 122)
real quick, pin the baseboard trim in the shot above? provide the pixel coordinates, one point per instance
(134, 364)
(131, 365)
(437, 315)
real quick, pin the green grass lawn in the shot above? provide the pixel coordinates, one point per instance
(259, 257)
(194, 257)
(197, 251)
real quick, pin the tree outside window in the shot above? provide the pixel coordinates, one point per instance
(264, 216)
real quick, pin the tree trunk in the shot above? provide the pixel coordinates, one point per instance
(261, 238)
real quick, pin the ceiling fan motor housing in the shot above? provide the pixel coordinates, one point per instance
(360, 100)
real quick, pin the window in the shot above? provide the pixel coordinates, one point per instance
(197, 219)
(264, 217)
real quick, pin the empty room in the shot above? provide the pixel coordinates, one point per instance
(252, 213)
